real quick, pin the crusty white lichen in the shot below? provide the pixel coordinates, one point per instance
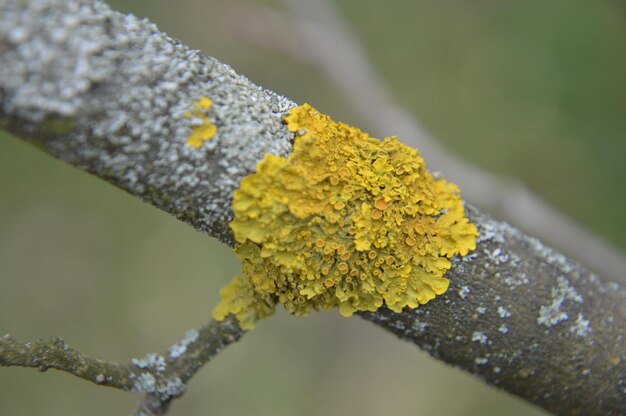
(147, 383)
(552, 314)
(580, 327)
(144, 383)
(465, 290)
(180, 347)
(173, 387)
(503, 312)
(151, 361)
(481, 361)
(479, 337)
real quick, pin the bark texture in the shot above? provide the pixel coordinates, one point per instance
(108, 93)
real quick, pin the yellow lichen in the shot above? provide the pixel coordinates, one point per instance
(345, 221)
(205, 130)
(239, 298)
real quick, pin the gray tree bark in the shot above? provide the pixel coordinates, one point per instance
(108, 93)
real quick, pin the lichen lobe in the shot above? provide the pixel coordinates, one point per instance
(203, 129)
(345, 221)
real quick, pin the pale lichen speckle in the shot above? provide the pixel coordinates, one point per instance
(180, 347)
(465, 290)
(419, 326)
(492, 231)
(498, 257)
(173, 387)
(503, 329)
(503, 312)
(147, 383)
(516, 279)
(144, 383)
(552, 314)
(151, 361)
(481, 361)
(580, 327)
(479, 337)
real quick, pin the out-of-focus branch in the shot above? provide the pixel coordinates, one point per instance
(162, 378)
(55, 353)
(108, 93)
(319, 36)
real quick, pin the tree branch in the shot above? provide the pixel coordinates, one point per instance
(162, 378)
(108, 93)
(55, 353)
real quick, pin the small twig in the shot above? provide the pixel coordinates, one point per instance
(162, 378)
(55, 353)
(185, 358)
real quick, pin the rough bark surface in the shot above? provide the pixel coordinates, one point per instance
(107, 93)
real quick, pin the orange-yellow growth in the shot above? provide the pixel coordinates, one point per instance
(345, 221)
(204, 131)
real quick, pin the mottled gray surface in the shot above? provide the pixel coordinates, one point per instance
(526, 319)
(107, 92)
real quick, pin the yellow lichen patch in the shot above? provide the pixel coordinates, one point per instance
(345, 221)
(205, 130)
(239, 298)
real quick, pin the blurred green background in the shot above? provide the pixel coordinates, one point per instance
(532, 89)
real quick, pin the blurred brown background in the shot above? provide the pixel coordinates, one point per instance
(531, 89)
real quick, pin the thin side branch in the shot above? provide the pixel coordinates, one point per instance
(162, 378)
(108, 93)
(55, 353)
